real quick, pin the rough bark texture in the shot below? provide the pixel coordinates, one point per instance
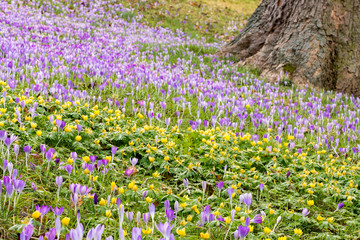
(316, 41)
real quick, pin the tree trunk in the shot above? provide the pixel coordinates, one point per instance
(316, 41)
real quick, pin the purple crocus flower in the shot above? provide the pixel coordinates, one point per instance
(261, 187)
(58, 123)
(246, 198)
(95, 198)
(43, 148)
(118, 202)
(167, 204)
(98, 231)
(27, 232)
(242, 232)
(68, 169)
(305, 212)
(79, 127)
(170, 214)
(44, 209)
(134, 161)
(49, 154)
(5, 163)
(206, 215)
(204, 186)
(93, 159)
(19, 185)
(230, 192)
(74, 198)
(136, 234)
(146, 217)
(340, 206)
(152, 210)
(220, 185)
(7, 143)
(113, 151)
(130, 216)
(27, 149)
(138, 217)
(257, 219)
(57, 211)
(144, 194)
(16, 150)
(164, 229)
(51, 234)
(186, 182)
(8, 186)
(129, 171)
(288, 174)
(33, 186)
(73, 155)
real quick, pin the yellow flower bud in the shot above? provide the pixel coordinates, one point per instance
(65, 221)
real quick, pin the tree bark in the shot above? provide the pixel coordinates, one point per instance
(316, 41)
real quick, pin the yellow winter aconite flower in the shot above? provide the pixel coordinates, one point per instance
(195, 209)
(86, 159)
(113, 185)
(272, 211)
(102, 202)
(38, 133)
(65, 221)
(149, 199)
(156, 174)
(181, 232)
(330, 219)
(320, 218)
(228, 220)
(147, 231)
(189, 218)
(267, 230)
(78, 138)
(205, 235)
(113, 200)
(310, 202)
(282, 238)
(108, 213)
(36, 214)
(183, 222)
(121, 190)
(131, 185)
(298, 232)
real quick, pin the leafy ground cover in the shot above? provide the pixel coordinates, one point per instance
(113, 129)
(211, 19)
